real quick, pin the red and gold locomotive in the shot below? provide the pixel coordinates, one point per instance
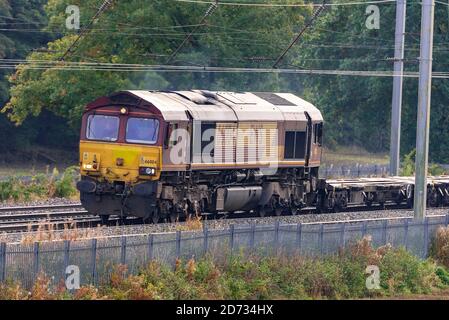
(166, 154)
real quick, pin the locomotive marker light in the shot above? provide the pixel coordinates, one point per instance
(123, 110)
(147, 171)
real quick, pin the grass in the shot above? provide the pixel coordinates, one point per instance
(252, 276)
(192, 223)
(40, 186)
(440, 247)
(352, 156)
(36, 159)
(47, 232)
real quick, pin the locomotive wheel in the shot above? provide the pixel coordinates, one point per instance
(278, 211)
(104, 219)
(173, 216)
(261, 211)
(155, 217)
(295, 211)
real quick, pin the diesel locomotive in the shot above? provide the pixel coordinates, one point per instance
(170, 154)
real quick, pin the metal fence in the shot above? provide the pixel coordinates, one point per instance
(352, 171)
(96, 258)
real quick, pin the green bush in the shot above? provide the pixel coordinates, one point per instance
(436, 170)
(408, 166)
(443, 274)
(39, 186)
(65, 186)
(253, 276)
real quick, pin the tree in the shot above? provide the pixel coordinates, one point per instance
(358, 109)
(133, 32)
(16, 43)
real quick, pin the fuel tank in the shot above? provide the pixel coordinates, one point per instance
(238, 198)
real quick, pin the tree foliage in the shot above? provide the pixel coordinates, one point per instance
(356, 109)
(135, 33)
(21, 22)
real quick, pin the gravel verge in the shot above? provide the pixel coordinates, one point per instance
(225, 223)
(46, 202)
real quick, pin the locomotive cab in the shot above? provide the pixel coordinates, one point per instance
(120, 155)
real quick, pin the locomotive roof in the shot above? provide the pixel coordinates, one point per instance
(217, 106)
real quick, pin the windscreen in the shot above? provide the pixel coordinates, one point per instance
(142, 130)
(101, 127)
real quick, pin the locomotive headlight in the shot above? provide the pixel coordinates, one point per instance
(147, 171)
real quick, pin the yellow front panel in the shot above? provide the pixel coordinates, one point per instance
(119, 162)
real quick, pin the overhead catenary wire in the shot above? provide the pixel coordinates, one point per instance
(315, 15)
(85, 66)
(213, 6)
(281, 5)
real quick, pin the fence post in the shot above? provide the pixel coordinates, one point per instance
(364, 228)
(178, 244)
(276, 235)
(342, 235)
(384, 231)
(94, 261)
(66, 257)
(252, 235)
(36, 259)
(206, 238)
(123, 251)
(447, 220)
(406, 234)
(3, 261)
(426, 236)
(298, 236)
(231, 237)
(321, 234)
(150, 247)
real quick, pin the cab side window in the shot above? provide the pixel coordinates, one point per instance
(318, 133)
(295, 145)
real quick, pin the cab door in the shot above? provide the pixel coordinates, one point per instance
(309, 135)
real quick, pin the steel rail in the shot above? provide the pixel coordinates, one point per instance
(40, 207)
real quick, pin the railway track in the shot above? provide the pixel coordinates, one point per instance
(4, 210)
(27, 220)
(345, 195)
(56, 221)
